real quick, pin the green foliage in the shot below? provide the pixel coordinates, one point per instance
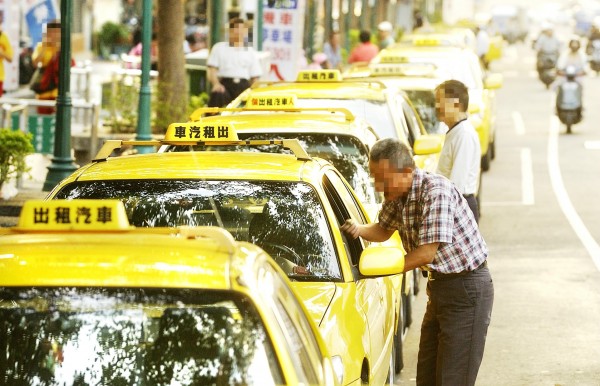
(113, 33)
(14, 146)
(122, 104)
(197, 101)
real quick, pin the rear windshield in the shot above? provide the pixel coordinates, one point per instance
(108, 336)
(287, 219)
(347, 154)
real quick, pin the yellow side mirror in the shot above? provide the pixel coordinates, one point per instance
(428, 144)
(381, 261)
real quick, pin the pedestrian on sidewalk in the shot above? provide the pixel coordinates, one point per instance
(6, 52)
(46, 58)
(232, 66)
(460, 159)
(441, 236)
(365, 50)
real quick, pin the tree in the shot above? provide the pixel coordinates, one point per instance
(172, 95)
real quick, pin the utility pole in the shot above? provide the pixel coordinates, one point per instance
(144, 132)
(62, 164)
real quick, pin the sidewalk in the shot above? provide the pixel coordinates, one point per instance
(32, 185)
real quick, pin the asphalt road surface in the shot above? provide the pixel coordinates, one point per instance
(541, 220)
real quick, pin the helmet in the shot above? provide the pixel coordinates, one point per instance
(570, 72)
(385, 26)
(546, 26)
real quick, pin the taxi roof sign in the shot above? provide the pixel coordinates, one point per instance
(325, 75)
(391, 59)
(271, 102)
(73, 215)
(193, 132)
(404, 69)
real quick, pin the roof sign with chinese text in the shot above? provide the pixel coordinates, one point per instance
(390, 59)
(200, 132)
(271, 102)
(319, 76)
(64, 215)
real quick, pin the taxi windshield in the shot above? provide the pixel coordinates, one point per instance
(377, 113)
(347, 153)
(424, 103)
(120, 336)
(285, 218)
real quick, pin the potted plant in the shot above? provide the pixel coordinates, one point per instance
(113, 38)
(14, 147)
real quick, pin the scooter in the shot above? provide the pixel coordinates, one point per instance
(594, 56)
(569, 99)
(546, 63)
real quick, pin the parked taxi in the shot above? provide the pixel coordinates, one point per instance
(462, 64)
(290, 205)
(86, 298)
(387, 110)
(337, 136)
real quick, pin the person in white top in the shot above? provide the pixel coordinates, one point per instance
(232, 66)
(460, 159)
(482, 45)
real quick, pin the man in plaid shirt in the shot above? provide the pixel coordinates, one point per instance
(442, 237)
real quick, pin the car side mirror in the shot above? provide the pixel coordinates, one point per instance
(381, 261)
(493, 81)
(428, 144)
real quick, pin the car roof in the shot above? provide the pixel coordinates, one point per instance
(363, 89)
(120, 256)
(298, 122)
(200, 164)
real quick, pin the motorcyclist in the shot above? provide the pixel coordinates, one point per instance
(547, 46)
(594, 35)
(572, 57)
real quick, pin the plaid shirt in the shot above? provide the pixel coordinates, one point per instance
(433, 212)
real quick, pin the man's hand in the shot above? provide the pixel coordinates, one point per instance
(218, 87)
(351, 228)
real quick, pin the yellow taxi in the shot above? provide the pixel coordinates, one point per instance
(86, 298)
(387, 110)
(332, 134)
(291, 205)
(462, 64)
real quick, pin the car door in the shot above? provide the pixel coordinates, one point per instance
(374, 294)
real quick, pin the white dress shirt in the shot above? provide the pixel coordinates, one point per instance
(460, 159)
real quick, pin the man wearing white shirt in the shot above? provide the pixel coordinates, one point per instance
(232, 66)
(460, 159)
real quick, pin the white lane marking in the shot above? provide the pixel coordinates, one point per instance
(562, 196)
(592, 145)
(527, 188)
(519, 124)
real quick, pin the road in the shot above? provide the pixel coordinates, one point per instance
(541, 220)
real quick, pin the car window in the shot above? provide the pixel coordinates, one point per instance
(285, 218)
(118, 336)
(347, 153)
(345, 207)
(294, 325)
(377, 113)
(424, 103)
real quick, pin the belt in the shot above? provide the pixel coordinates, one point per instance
(433, 275)
(234, 80)
(468, 195)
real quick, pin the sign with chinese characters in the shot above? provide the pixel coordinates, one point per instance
(393, 59)
(319, 76)
(61, 215)
(283, 35)
(200, 132)
(271, 102)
